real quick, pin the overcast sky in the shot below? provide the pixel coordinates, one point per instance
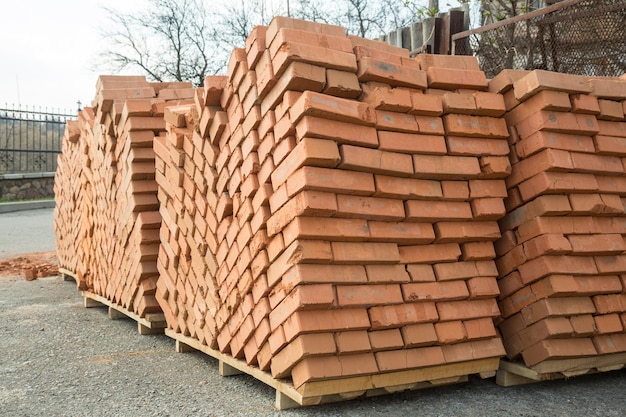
(47, 48)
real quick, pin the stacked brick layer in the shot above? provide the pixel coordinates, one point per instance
(562, 259)
(329, 208)
(108, 202)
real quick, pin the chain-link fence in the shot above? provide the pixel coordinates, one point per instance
(586, 37)
(30, 139)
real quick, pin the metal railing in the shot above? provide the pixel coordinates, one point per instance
(30, 139)
(585, 37)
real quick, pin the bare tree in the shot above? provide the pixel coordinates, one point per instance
(171, 40)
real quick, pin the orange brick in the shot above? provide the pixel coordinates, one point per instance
(310, 152)
(371, 208)
(558, 349)
(337, 42)
(450, 332)
(455, 190)
(544, 100)
(584, 103)
(303, 346)
(610, 303)
(612, 343)
(330, 180)
(375, 161)
(458, 103)
(539, 80)
(557, 183)
(477, 251)
(604, 244)
(401, 233)
(406, 188)
(445, 167)
(479, 328)
(608, 323)
(557, 264)
(453, 78)
(303, 297)
(412, 143)
(489, 104)
(475, 126)
(545, 205)
(342, 84)
(383, 97)
(418, 335)
(432, 211)
(368, 295)
(462, 232)
(448, 252)
(447, 61)
(504, 80)
(458, 145)
(611, 264)
(385, 339)
(325, 320)
(583, 325)
(340, 132)
(396, 360)
(611, 110)
(327, 229)
(547, 160)
(463, 270)
(428, 125)
(324, 273)
(360, 252)
(372, 69)
(483, 287)
(583, 124)
(425, 104)
(306, 203)
(488, 208)
(353, 342)
(334, 108)
(322, 368)
(495, 166)
(384, 317)
(548, 244)
(541, 140)
(557, 307)
(607, 145)
(386, 274)
(479, 349)
(396, 122)
(470, 309)
(448, 290)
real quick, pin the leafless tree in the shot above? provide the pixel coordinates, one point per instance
(171, 40)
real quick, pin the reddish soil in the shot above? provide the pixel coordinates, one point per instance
(31, 266)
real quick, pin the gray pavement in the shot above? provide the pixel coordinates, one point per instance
(26, 231)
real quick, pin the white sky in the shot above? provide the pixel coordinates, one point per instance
(47, 48)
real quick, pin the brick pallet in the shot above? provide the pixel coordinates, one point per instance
(107, 221)
(329, 216)
(562, 259)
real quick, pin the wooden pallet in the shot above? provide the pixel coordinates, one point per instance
(150, 324)
(334, 390)
(67, 275)
(515, 373)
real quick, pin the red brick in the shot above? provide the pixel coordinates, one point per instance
(558, 264)
(611, 264)
(406, 188)
(353, 342)
(425, 104)
(488, 208)
(450, 332)
(368, 295)
(360, 252)
(396, 122)
(396, 360)
(298, 76)
(329, 367)
(412, 143)
(558, 349)
(453, 78)
(611, 110)
(380, 274)
(489, 104)
(479, 349)
(470, 309)
(545, 205)
(477, 251)
(563, 225)
(458, 145)
(616, 129)
(383, 97)
(418, 335)
(495, 166)
(487, 188)
(431, 254)
(543, 140)
(475, 126)
(372, 69)
(310, 152)
(544, 100)
(612, 343)
(446, 167)
(375, 161)
(583, 124)
(334, 108)
(604, 244)
(309, 321)
(385, 339)
(455, 270)
(584, 104)
(458, 103)
(328, 229)
(544, 161)
(557, 307)
(401, 233)
(304, 346)
(436, 291)
(370, 208)
(539, 80)
(597, 284)
(447, 61)
(479, 328)
(376, 48)
(342, 84)
(279, 22)
(384, 317)
(548, 244)
(340, 132)
(607, 145)
(455, 190)
(583, 325)
(504, 80)
(609, 88)
(483, 287)
(557, 183)
(304, 251)
(429, 125)
(610, 303)
(306, 203)
(432, 211)
(336, 42)
(324, 273)
(303, 297)
(339, 181)
(462, 232)
(608, 323)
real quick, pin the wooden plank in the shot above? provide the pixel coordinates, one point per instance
(151, 324)
(575, 364)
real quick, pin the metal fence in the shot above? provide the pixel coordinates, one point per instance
(585, 37)
(30, 139)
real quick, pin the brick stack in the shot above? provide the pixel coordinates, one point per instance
(68, 190)
(561, 257)
(118, 240)
(353, 195)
